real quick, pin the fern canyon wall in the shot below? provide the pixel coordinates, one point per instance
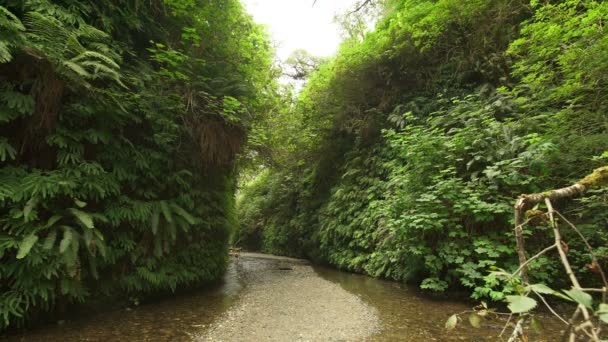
(402, 156)
(140, 139)
(120, 123)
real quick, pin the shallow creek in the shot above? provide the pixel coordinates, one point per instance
(404, 313)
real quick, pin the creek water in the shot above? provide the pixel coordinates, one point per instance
(405, 313)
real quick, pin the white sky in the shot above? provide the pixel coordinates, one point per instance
(297, 24)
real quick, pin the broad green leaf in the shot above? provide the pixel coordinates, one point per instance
(603, 312)
(580, 297)
(451, 322)
(26, 245)
(540, 288)
(83, 217)
(520, 304)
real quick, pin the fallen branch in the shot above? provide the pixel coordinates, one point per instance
(599, 177)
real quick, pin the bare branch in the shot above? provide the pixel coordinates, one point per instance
(363, 4)
(538, 255)
(506, 326)
(597, 177)
(550, 308)
(566, 263)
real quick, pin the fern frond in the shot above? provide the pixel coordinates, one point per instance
(26, 245)
(7, 151)
(49, 242)
(90, 32)
(68, 237)
(5, 52)
(83, 218)
(164, 207)
(9, 21)
(78, 69)
(46, 29)
(74, 45)
(87, 55)
(183, 213)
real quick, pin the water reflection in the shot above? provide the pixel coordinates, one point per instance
(407, 315)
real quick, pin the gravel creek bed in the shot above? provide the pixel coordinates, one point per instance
(285, 300)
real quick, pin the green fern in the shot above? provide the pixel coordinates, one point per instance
(6, 150)
(11, 36)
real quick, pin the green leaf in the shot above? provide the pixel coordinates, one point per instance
(50, 240)
(79, 203)
(29, 206)
(520, 304)
(26, 245)
(87, 236)
(603, 312)
(51, 221)
(540, 288)
(475, 320)
(166, 212)
(67, 239)
(451, 322)
(580, 297)
(6, 150)
(83, 217)
(184, 214)
(98, 234)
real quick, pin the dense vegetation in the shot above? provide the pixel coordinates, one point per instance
(123, 125)
(402, 156)
(120, 122)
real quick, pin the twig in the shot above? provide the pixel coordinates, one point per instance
(550, 308)
(602, 290)
(538, 255)
(505, 327)
(365, 3)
